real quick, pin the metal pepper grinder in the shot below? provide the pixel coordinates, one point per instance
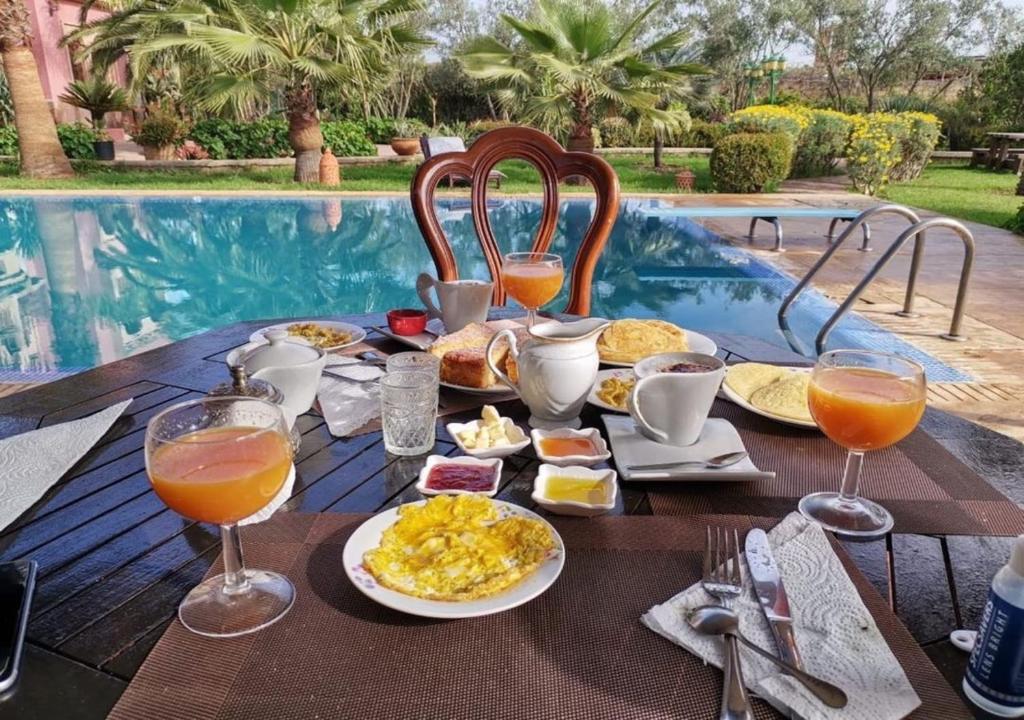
(241, 385)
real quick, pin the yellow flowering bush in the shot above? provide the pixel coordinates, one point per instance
(889, 146)
(791, 120)
(919, 138)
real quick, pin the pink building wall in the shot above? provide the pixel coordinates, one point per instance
(51, 20)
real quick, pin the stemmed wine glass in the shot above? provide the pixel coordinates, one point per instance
(219, 460)
(532, 279)
(863, 401)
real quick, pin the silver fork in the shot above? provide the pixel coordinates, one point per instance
(723, 579)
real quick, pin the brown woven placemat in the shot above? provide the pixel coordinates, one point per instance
(577, 651)
(920, 482)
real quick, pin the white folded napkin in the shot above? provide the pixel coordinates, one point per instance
(836, 635)
(347, 406)
(282, 495)
(32, 462)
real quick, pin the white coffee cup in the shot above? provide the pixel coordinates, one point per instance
(672, 407)
(462, 301)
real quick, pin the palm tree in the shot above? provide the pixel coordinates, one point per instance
(97, 96)
(573, 62)
(253, 52)
(38, 144)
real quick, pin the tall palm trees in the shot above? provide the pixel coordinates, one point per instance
(573, 63)
(252, 53)
(38, 145)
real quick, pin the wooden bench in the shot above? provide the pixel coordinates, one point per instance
(979, 156)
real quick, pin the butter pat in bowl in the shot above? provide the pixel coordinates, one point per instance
(459, 476)
(575, 490)
(511, 440)
(565, 446)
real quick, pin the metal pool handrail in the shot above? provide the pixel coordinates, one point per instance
(915, 231)
(906, 212)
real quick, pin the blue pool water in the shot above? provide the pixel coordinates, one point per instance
(88, 280)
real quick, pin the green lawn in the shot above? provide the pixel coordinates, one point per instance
(636, 174)
(962, 192)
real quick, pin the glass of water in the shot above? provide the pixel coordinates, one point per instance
(421, 361)
(408, 411)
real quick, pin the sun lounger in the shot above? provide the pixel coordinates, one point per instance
(439, 145)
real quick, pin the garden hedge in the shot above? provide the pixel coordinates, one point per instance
(75, 138)
(268, 138)
(751, 162)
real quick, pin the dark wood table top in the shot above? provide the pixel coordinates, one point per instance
(115, 562)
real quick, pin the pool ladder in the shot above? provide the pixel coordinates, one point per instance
(917, 232)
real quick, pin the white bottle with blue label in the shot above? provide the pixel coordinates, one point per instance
(995, 673)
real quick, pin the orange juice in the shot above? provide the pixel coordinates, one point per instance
(532, 285)
(863, 409)
(220, 475)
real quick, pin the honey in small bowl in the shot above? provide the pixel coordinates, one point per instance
(561, 488)
(567, 446)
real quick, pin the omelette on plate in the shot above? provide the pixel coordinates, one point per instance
(776, 390)
(630, 340)
(457, 547)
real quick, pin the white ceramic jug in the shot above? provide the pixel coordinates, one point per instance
(462, 301)
(557, 367)
(293, 368)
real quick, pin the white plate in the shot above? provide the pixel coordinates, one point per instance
(355, 331)
(603, 375)
(697, 343)
(421, 341)
(498, 390)
(731, 395)
(367, 537)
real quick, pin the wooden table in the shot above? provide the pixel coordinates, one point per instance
(115, 562)
(999, 147)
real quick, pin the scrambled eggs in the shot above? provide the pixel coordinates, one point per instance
(318, 335)
(615, 390)
(456, 548)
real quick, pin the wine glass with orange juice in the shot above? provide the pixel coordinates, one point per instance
(532, 279)
(863, 401)
(219, 460)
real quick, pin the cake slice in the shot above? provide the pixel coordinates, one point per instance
(472, 336)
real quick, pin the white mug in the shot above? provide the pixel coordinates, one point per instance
(672, 407)
(462, 301)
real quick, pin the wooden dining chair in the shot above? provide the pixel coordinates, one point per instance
(554, 163)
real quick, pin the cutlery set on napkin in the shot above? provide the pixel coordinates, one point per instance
(816, 621)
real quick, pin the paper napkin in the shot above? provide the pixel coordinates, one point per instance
(348, 406)
(837, 637)
(32, 462)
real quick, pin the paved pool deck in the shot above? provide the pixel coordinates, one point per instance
(993, 352)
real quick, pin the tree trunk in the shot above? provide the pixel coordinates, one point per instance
(659, 145)
(38, 144)
(304, 133)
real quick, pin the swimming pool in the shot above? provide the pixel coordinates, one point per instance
(88, 280)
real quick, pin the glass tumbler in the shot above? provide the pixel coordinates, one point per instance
(408, 411)
(416, 361)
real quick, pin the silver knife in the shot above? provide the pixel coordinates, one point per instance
(771, 593)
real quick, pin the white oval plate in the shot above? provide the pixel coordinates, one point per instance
(355, 331)
(697, 343)
(603, 375)
(499, 389)
(367, 537)
(730, 395)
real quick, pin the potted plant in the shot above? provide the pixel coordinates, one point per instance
(98, 97)
(406, 140)
(159, 135)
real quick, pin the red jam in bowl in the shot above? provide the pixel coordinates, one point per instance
(471, 478)
(407, 321)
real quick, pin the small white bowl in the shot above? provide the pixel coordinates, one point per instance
(515, 434)
(592, 434)
(567, 507)
(441, 459)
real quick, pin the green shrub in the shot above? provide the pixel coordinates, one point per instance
(751, 162)
(821, 143)
(378, 129)
(703, 134)
(453, 129)
(917, 141)
(409, 128)
(873, 151)
(1017, 223)
(478, 128)
(160, 129)
(227, 140)
(771, 118)
(8, 140)
(76, 139)
(616, 132)
(347, 139)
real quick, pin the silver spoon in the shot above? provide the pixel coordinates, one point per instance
(718, 620)
(715, 463)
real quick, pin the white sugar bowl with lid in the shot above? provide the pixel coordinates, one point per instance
(292, 367)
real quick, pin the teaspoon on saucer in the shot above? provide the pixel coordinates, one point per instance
(715, 463)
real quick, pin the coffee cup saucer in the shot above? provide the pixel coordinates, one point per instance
(718, 437)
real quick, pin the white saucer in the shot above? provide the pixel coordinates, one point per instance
(719, 436)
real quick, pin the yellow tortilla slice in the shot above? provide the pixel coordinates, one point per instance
(786, 397)
(746, 378)
(632, 340)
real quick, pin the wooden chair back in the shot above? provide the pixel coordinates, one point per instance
(554, 163)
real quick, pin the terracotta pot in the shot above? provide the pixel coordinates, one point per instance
(330, 173)
(405, 146)
(684, 179)
(164, 152)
